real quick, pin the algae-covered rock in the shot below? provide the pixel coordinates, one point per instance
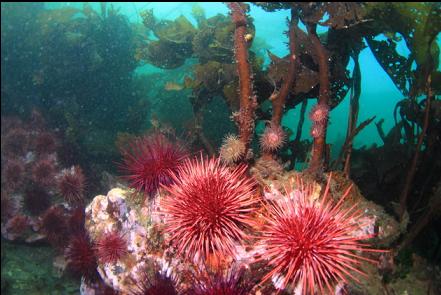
(385, 226)
(120, 211)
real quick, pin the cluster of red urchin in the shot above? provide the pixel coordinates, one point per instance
(30, 168)
(272, 138)
(150, 162)
(319, 117)
(208, 207)
(311, 245)
(83, 254)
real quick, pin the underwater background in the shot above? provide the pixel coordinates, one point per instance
(117, 119)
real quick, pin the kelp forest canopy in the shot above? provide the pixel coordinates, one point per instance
(79, 67)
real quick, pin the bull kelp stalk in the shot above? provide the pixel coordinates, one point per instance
(411, 172)
(431, 211)
(353, 112)
(353, 129)
(248, 102)
(296, 142)
(200, 133)
(279, 102)
(316, 164)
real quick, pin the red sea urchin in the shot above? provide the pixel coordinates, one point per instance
(71, 185)
(76, 221)
(16, 226)
(311, 244)
(156, 284)
(9, 206)
(54, 226)
(43, 171)
(207, 207)
(36, 199)
(221, 282)
(81, 257)
(150, 161)
(45, 143)
(15, 142)
(272, 138)
(13, 173)
(110, 247)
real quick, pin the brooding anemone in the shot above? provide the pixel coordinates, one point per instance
(319, 113)
(272, 138)
(232, 149)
